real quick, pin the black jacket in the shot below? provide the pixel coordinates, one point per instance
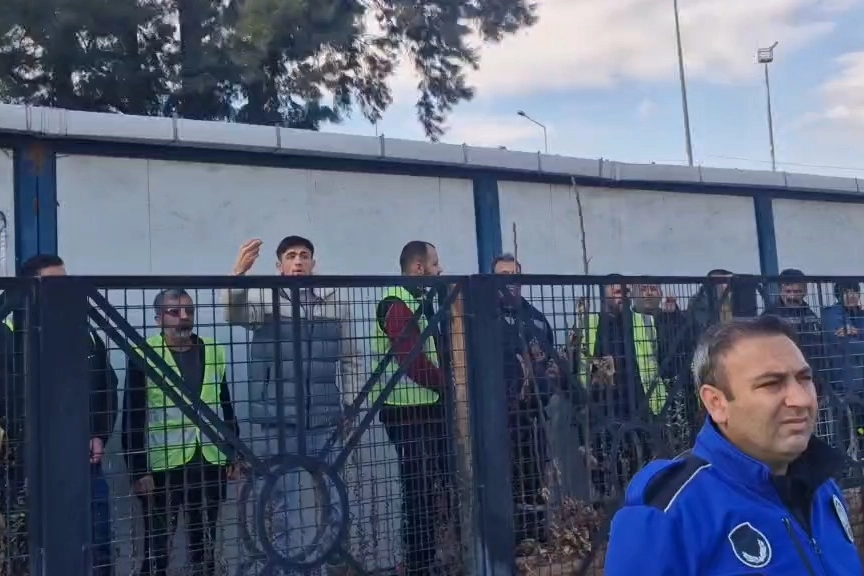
(525, 331)
(808, 328)
(103, 385)
(103, 390)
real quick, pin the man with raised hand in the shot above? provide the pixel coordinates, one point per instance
(330, 368)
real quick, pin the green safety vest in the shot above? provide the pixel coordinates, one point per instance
(645, 341)
(172, 438)
(406, 392)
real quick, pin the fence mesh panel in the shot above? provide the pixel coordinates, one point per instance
(298, 397)
(628, 345)
(249, 431)
(14, 501)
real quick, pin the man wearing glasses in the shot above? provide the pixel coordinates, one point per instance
(172, 464)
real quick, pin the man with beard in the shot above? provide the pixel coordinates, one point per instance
(413, 412)
(619, 368)
(171, 463)
(530, 375)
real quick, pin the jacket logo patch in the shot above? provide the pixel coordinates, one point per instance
(843, 517)
(750, 546)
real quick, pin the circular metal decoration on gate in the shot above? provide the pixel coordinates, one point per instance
(331, 517)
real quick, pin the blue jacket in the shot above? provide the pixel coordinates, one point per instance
(718, 512)
(845, 353)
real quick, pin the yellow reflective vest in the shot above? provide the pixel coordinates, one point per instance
(645, 341)
(407, 392)
(172, 438)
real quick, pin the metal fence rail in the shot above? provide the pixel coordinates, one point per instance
(274, 425)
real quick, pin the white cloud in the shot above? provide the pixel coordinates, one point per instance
(598, 43)
(645, 109)
(844, 94)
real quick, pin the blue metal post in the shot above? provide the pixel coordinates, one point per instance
(35, 176)
(489, 429)
(487, 216)
(61, 482)
(767, 240)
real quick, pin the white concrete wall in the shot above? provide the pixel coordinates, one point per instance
(184, 218)
(7, 208)
(129, 216)
(820, 238)
(630, 232)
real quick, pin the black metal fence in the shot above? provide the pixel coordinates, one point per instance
(353, 425)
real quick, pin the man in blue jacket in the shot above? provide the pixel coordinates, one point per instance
(756, 495)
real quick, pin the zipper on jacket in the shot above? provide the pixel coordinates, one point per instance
(799, 547)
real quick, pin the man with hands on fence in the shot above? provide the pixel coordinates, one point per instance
(531, 375)
(757, 494)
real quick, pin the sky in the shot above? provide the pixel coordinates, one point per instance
(602, 75)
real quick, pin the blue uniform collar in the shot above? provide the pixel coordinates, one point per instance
(814, 467)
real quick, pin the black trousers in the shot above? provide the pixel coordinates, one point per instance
(529, 456)
(199, 487)
(421, 443)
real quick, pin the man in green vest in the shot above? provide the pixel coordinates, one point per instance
(413, 414)
(618, 365)
(171, 463)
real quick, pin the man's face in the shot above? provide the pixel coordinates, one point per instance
(615, 297)
(177, 317)
(431, 266)
(793, 294)
(296, 261)
(509, 268)
(851, 299)
(721, 283)
(772, 413)
(650, 296)
(53, 271)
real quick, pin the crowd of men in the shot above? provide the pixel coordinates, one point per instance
(627, 359)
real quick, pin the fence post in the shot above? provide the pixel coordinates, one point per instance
(488, 407)
(61, 409)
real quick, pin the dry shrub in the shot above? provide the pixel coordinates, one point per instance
(572, 526)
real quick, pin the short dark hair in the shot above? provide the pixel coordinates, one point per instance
(843, 286)
(506, 257)
(412, 252)
(720, 338)
(34, 266)
(294, 242)
(792, 274)
(169, 294)
(719, 272)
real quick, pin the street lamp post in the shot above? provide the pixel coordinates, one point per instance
(765, 56)
(530, 119)
(683, 80)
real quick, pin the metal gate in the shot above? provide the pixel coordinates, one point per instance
(84, 300)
